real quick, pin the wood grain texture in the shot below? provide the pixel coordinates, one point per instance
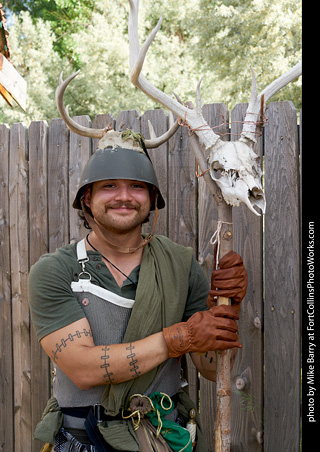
(247, 402)
(18, 199)
(282, 285)
(38, 245)
(208, 222)
(79, 153)
(159, 158)
(6, 332)
(58, 172)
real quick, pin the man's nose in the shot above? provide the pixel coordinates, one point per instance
(123, 193)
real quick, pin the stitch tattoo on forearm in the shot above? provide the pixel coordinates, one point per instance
(133, 362)
(64, 342)
(104, 358)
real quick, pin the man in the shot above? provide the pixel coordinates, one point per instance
(117, 311)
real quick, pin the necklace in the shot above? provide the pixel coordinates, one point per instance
(114, 266)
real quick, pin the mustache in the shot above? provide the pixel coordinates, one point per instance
(118, 205)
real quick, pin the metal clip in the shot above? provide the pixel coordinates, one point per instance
(97, 412)
(84, 272)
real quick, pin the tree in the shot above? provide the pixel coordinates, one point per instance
(219, 40)
(236, 35)
(65, 17)
(35, 59)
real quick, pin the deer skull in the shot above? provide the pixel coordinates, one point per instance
(234, 166)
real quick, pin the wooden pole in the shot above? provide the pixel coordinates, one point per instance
(223, 383)
(225, 242)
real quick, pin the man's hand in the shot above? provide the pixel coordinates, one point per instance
(215, 329)
(229, 281)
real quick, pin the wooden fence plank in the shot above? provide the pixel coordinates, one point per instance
(159, 158)
(79, 153)
(247, 372)
(207, 227)
(38, 245)
(18, 198)
(183, 192)
(128, 120)
(183, 215)
(58, 199)
(6, 355)
(282, 286)
(100, 122)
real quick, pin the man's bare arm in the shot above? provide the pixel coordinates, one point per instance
(73, 350)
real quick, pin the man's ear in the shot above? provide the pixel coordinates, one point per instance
(87, 196)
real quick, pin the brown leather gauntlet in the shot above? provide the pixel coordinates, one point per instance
(229, 281)
(215, 329)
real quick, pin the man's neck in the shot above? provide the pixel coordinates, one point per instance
(116, 244)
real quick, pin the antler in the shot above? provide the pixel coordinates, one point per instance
(99, 133)
(256, 103)
(193, 118)
(71, 124)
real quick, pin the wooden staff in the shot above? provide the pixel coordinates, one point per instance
(223, 386)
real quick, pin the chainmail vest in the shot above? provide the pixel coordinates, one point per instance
(108, 315)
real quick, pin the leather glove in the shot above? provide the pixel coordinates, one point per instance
(230, 281)
(215, 329)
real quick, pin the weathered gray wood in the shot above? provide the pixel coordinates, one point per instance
(282, 286)
(58, 200)
(99, 122)
(38, 239)
(18, 198)
(159, 157)
(247, 372)
(208, 216)
(6, 333)
(79, 153)
(183, 191)
(128, 120)
(183, 215)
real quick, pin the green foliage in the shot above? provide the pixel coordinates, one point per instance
(220, 40)
(234, 36)
(37, 62)
(65, 16)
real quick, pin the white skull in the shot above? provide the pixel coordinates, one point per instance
(234, 166)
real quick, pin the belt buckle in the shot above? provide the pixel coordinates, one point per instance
(97, 412)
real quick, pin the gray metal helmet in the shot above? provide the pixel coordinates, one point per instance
(117, 159)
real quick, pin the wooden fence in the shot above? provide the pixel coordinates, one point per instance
(39, 173)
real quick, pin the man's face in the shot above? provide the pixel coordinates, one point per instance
(119, 205)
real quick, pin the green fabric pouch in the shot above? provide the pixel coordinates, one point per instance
(177, 437)
(51, 422)
(120, 435)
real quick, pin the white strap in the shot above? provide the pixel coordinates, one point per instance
(84, 285)
(81, 250)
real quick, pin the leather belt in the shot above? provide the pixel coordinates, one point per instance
(83, 411)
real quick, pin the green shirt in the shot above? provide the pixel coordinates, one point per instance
(54, 306)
